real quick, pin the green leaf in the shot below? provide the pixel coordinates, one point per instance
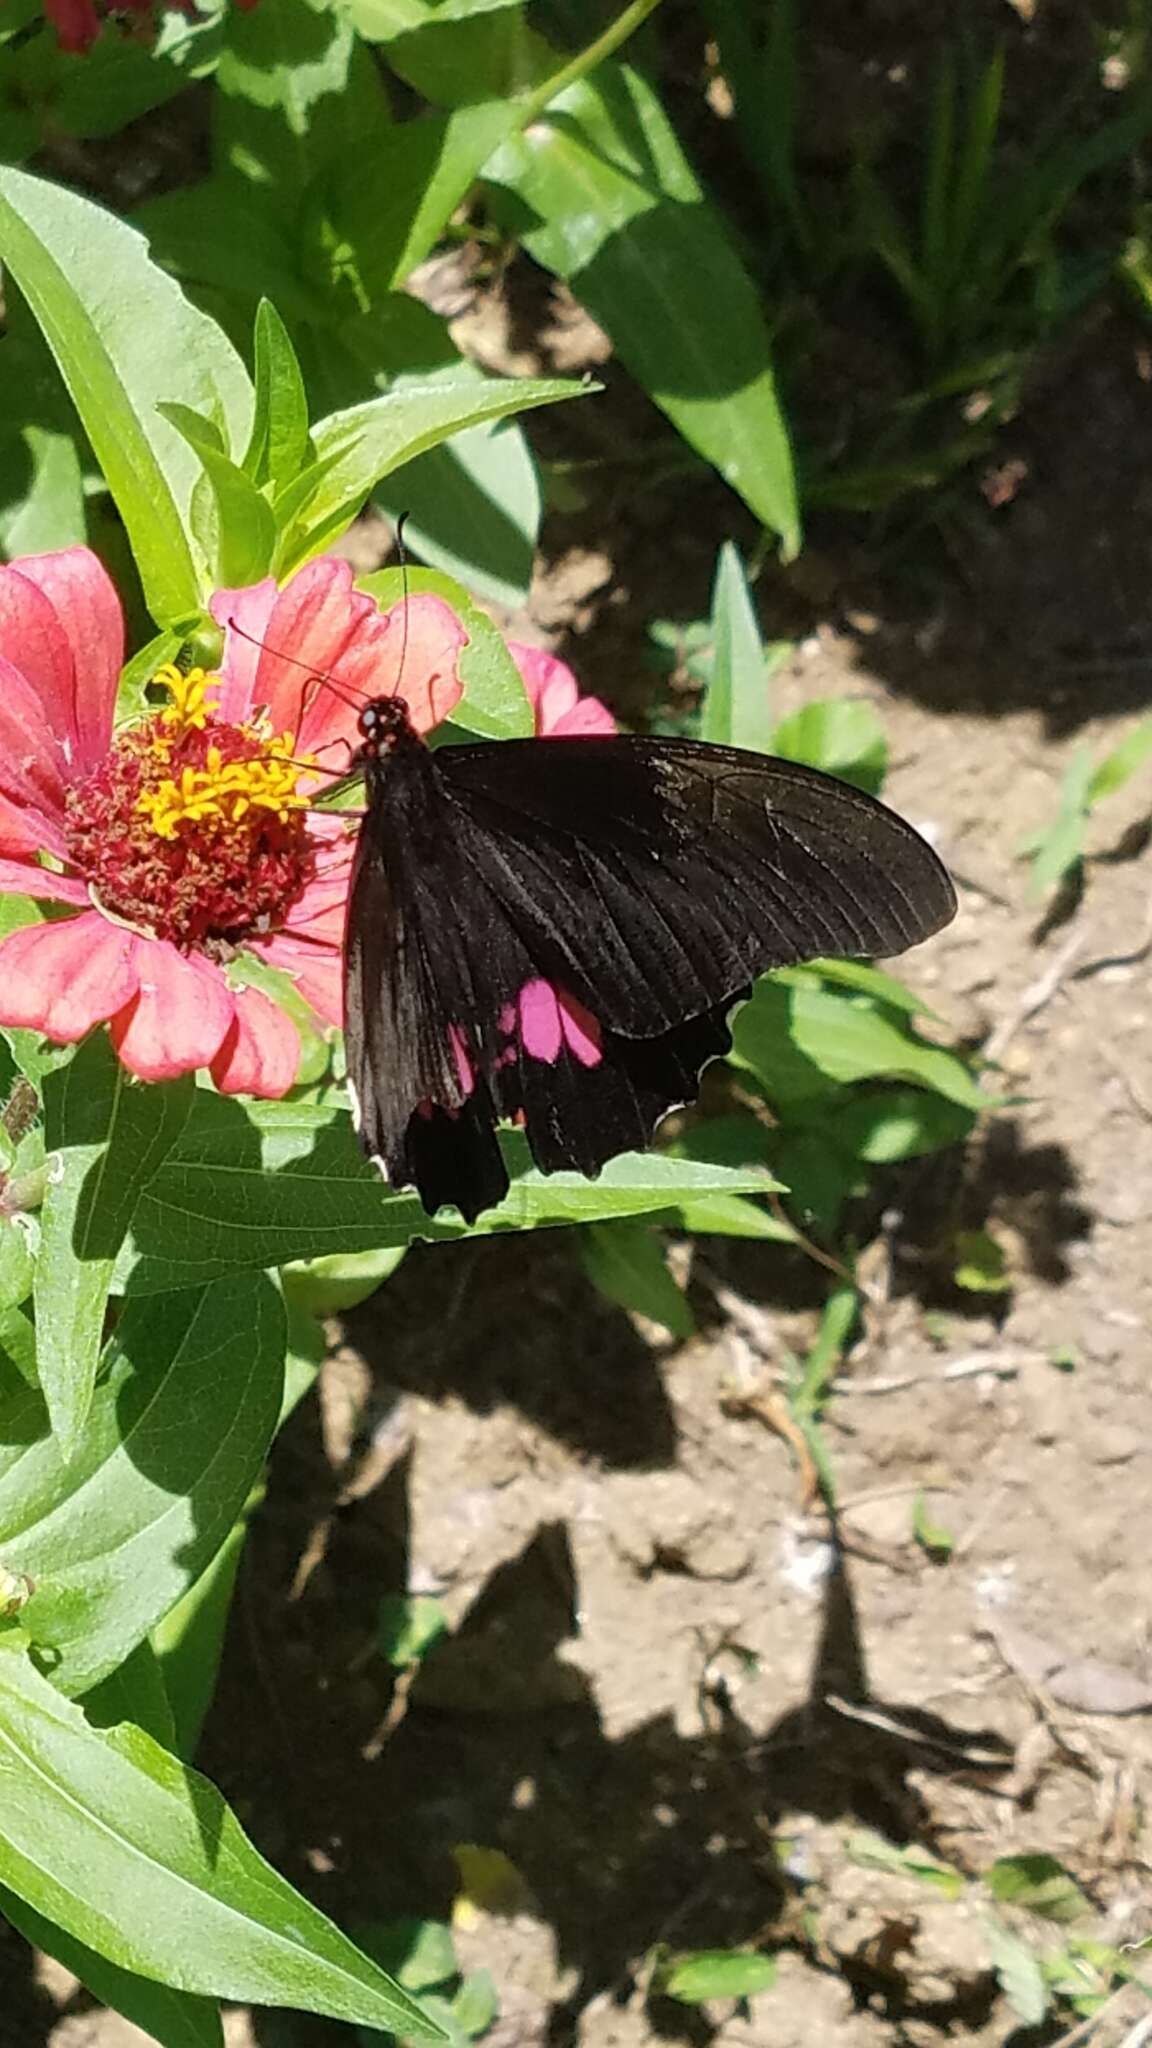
(329, 1286)
(233, 522)
(418, 1953)
(874, 1852)
(365, 443)
(627, 1263)
(1018, 1971)
(603, 195)
(729, 1216)
(176, 2019)
(139, 1857)
(737, 708)
(295, 91)
(473, 509)
(886, 1124)
(379, 21)
(178, 1432)
(873, 981)
(799, 1037)
(18, 1344)
(839, 736)
(52, 513)
(932, 1537)
(407, 1626)
(1058, 848)
(286, 1180)
(106, 1136)
(495, 704)
(393, 205)
(1121, 764)
(1038, 1882)
(134, 1692)
(279, 445)
(981, 1263)
(188, 1641)
(705, 1973)
(476, 2004)
(125, 338)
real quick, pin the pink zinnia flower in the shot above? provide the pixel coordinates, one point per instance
(554, 695)
(182, 841)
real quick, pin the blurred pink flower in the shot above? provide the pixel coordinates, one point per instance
(78, 22)
(555, 697)
(182, 841)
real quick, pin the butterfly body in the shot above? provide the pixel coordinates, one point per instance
(553, 932)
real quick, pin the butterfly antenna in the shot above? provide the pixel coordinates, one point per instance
(402, 551)
(338, 689)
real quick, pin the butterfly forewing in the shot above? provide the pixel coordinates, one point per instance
(663, 874)
(553, 931)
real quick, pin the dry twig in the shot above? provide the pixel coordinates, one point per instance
(1033, 999)
(1003, 1364)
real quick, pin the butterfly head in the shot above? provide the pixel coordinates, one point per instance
(384, 723)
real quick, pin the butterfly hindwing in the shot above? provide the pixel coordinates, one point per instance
(553, 932)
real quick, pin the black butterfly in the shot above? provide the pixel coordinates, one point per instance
(553, 931)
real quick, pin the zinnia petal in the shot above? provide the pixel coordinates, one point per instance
(76, 22)
(178, 1019)
(61, 622)
(554, 695)
(260, 1054)
(25, 828)
(32, 766)
(62, 978)
(22, 878)
(248, 610)
(319, 913)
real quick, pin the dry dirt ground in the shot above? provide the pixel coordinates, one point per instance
(670, 1701)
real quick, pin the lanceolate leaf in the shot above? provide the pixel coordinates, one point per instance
(738, 707)
(178, 1434)
(105, 1139)
(365, 443)
(125, 338)
(626, 1262)
(286, 1181)
(278, 448)
(602, 195)
(138, 1857)
(177, 2019)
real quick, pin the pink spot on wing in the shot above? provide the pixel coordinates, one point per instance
(506, 1021)
(580, 1028)
(540, 1027)
(465, 1071)
(552, 1020)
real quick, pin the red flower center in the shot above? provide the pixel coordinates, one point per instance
(191, 829)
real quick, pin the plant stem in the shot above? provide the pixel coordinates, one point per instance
(578, 67)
